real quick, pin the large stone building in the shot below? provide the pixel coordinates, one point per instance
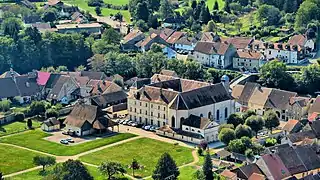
(171, 101)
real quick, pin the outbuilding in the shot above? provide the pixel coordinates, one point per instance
(52, 124)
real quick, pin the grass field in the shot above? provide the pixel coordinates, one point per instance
(13, 159)
(83, 4)
(34, 140)
(187, 173)
(16, 127)
(116, 2)
(35, 175)
(145, 151)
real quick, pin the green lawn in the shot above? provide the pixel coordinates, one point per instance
(16, 127)
(116, 2)
(35, 175)
(13, 159)
(145, 151)
(34, 140)
(83, 4)
(187, 173)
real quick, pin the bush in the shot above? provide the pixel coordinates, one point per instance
(95, 2)
(52, 113)
(5, 105)
(19, 116)
(270, 142)
(37, 107)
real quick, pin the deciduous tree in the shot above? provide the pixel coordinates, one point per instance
(110, 169)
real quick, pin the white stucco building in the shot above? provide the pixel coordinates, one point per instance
(290, 54)
(214, 54)
(171, 101)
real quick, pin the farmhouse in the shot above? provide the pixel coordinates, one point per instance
(87, 119)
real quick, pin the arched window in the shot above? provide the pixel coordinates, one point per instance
(209, 114)
(181, 122)
(173, 122)
(226, 112)
(218, 115)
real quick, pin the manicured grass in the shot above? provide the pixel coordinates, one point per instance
(36, 175)
(34, 140)
(83, 4)
(16, 127)
(187, 173)
(145, 151)
(116, 2)
(14, 159)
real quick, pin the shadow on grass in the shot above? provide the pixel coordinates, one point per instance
(2, 129)
(44, 172)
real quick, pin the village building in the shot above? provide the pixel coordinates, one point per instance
(87, 119)
(247, 59)
(289, 54)
(51, 124)
(170, 102)
(214, 54)
(129, 42)
(253, 96)
(185, 43)
(91, 28)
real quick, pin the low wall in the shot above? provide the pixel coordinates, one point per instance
(6, 119)
(179, 137)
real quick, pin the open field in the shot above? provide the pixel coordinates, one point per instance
(16, 127)
(145, 151)
(83, 4)
(35, 175)
(34, 140)
(13, 159)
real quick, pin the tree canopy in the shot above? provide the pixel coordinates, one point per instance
(166, 167)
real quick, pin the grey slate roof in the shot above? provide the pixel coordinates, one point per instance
(198, 122)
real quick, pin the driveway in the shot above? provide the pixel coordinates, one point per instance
(57, 136)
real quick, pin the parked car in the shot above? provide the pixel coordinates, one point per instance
(147, 127)
(65, 132)
(64, 141)
(125, 122)
(134, 124)
(152, 128)
(140, 125)
(121, 121)
(70, 140)
(129, 123)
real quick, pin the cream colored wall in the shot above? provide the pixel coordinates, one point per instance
(247, 63)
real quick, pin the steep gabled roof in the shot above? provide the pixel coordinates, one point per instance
(199, 122)
(315, 107)
(298, 39)
(205, 96)
(82, 113)
(272, 167)
(212, 47)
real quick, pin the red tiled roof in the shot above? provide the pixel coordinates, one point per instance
(313, 116)
(212, 47)
(297, 40)
(248, 54)
(42, 78)
(175, 37)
